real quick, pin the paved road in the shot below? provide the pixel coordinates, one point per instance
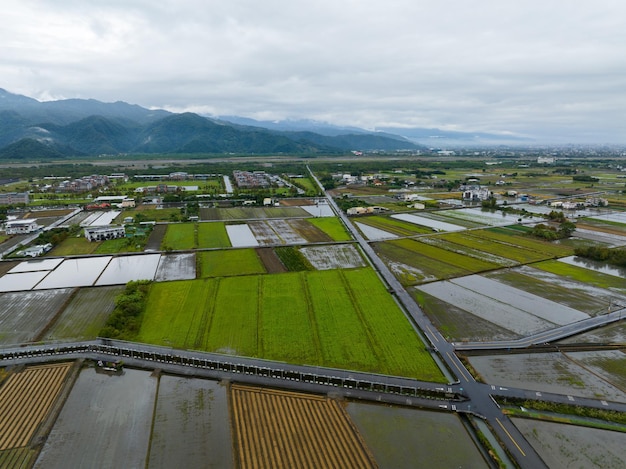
(544, 337)
(481, 401)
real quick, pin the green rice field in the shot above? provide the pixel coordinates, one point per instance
(226, 263)
(430, 262)
(391, 225)
(332, 226)
(180, 236)
(212, 235)
(339, 319)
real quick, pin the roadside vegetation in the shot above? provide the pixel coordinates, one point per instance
(125, 320)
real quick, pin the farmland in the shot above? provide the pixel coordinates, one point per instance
(306, 431)
(228, 263)
(114, 424)
(26, 402)
(332, 227)
(85, 314)
(24, 315)
(333, 315)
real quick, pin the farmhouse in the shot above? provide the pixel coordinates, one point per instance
(22, 226)
(475, 193)
(102, 233)
(35, 251)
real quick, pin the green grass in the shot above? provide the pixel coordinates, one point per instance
(332, 226)
(114, 246)
(342, 319)
(225, 263)
(75, 246)
(212, 235)
(180, 236)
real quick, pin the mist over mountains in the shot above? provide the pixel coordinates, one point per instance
(86, 127)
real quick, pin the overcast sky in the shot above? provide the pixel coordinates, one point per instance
(552, 69)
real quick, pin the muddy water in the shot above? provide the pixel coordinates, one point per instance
(408, 438)
(104, 423)
(191, 425)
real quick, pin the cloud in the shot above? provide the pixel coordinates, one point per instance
(529, 67)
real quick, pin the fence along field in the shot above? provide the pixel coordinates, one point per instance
(25, 401)
(281, 429)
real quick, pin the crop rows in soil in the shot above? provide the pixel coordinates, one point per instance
(284, 429)
(25, 400)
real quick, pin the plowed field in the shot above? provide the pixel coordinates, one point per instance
(25, 400)
(277, 429)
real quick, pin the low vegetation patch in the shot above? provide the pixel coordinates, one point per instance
(125, 320)
(293, 259)
(616, 256)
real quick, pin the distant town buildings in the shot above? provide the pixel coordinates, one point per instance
(84, 184)
(251, 180)
(14, 198)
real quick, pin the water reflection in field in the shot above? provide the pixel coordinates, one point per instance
(127, 268)
(75, 273)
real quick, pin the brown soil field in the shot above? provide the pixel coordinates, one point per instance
(48, 213)
(296, 202)
(311, 233)
(6, 266)
(156, 238)
(270, 261)
(610, 229)
(25, 400)
(279, 429)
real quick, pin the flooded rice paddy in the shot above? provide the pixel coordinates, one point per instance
(123, 269)
(35, 265)
(336, 256)
(596, 266)
(563, 446)
(374, 234)
(408, 438)
(75, 273)
(241, 236)
(436, 225)
(549, 372)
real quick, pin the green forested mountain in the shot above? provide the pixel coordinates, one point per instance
(33, 129)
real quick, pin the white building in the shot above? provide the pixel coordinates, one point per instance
(102, 233)
(22, 226)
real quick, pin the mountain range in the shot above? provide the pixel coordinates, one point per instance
(30, 129)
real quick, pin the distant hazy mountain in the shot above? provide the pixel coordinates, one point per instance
(420, 135)
(55, 129)
(436, 137)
